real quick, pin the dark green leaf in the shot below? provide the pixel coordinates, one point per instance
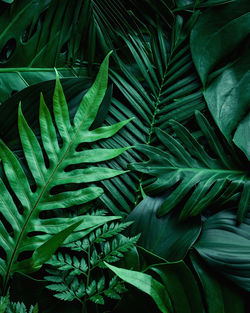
(228, 24)
(166, 236)
(225, 246)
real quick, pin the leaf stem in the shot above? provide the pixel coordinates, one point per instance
(84, 308)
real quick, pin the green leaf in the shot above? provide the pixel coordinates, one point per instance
(8, 1)
(229, 24)
(219, 295)
(195, 176)
(16, 238)
(4, 302)
(241, 136)
(36, 37)
(145, 283)
(225, 247)
(181, 286)
(228, 101)
(13, 80)
(156, 81)
(167, 237)
(98, 299)
(44, 252)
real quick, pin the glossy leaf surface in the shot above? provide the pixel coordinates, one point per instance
(145, 283)
(167, 236)
(229, 24)
(228, 101)
(225, 247)
(186, 166)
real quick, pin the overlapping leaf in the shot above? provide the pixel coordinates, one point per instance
(167, 237)
(186, 167)
(224, 246)
(156, 84)
(230, 24)
(21, 204)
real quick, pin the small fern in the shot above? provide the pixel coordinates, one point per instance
(6, 306)
(81, 274)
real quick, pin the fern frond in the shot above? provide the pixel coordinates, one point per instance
(83, 275)
(6, 306)
(22, 219)
(185, 166)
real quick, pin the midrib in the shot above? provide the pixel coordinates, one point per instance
(157, 102)
(36, 204)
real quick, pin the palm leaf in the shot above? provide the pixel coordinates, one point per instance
(160, 84)
(185, 166)
(20, 218)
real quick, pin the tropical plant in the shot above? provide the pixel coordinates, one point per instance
(127, 194)
(79, 273)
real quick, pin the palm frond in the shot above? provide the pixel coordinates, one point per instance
(156, 82)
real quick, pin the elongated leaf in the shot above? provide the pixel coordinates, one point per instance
(167, 237)
(185, 165)
(224, 246)
(20, 220)
(145, 283)
(44, 252)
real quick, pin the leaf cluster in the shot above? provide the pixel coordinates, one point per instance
(152, 141)
(80, 273)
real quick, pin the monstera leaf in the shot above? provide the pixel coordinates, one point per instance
(51, 167)
(185, 165)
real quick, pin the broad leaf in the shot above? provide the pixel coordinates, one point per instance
(225, 246)
(27, 38)
(13, 80)
(186, 166)
(229, 24)
(228, 101)
(21, 219)
(167, 237)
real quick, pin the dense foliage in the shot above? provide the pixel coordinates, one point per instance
(124, 178)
